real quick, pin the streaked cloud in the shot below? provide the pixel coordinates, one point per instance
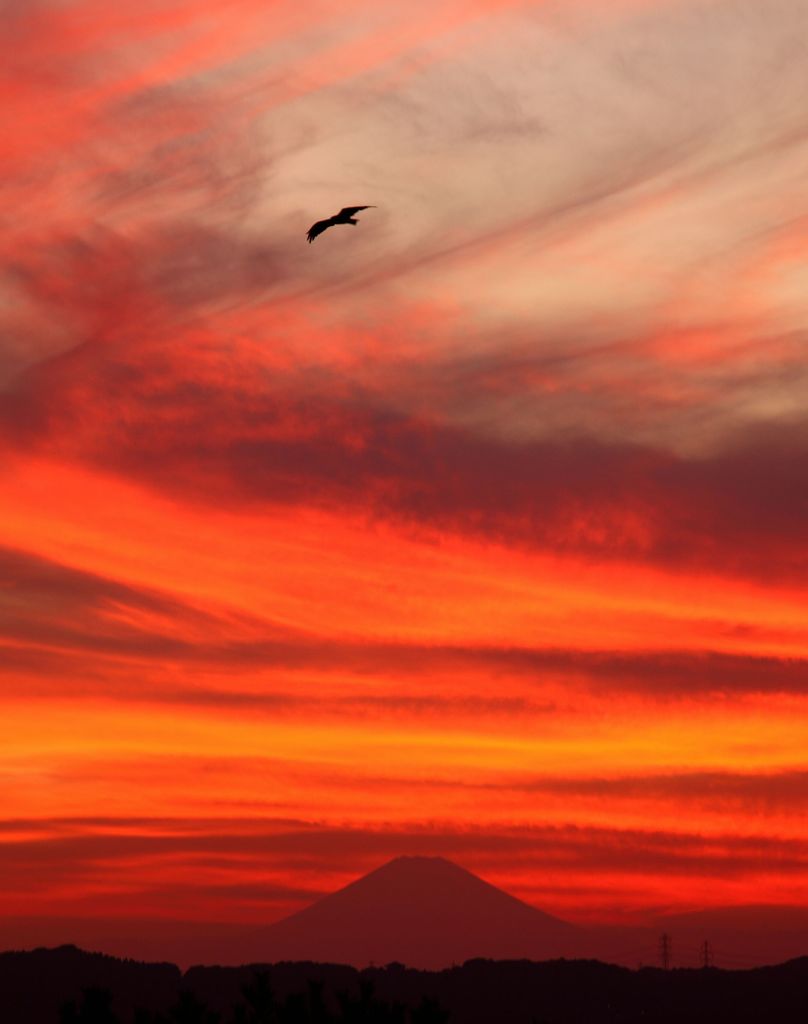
(497, 498)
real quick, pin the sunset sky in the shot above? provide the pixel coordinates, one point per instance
(479, 529)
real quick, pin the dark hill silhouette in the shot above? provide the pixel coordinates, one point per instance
(146, 939)
(742, 936)
(421, 911)
(35, 985)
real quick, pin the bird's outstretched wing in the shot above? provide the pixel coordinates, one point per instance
(349, 211)
(318, 228)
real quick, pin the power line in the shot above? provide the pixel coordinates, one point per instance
(706, 954)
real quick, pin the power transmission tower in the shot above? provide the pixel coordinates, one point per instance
(706, 954)
(665, 951)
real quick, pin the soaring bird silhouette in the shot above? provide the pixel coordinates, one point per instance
(345, 216)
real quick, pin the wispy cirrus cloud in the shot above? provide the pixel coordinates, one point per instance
(56, 615)
(597, 852)
(739, 510)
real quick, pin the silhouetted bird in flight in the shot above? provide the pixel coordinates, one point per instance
(345, 216)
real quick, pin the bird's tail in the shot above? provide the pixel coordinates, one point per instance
(350, 220)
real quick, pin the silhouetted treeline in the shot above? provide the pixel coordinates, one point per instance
(260, 1005)
(68, 986)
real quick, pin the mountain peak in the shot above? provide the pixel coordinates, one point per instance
(415, 859)
(418, 867)
(420, 910)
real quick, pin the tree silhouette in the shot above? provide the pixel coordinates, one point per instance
(429, 1011)
(318, 1014)
(261, 1005)
(367, 1009)
(191, 1010)
(95, 1008)
(148, 1016)
(294, 1010)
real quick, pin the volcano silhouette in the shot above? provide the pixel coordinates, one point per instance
(424, 912)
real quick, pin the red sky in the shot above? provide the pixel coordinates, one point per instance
(480, 529)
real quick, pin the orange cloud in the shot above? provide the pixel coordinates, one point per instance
(478, 529)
